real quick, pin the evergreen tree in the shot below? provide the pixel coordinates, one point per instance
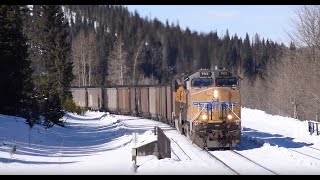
(55, 80)
(292, 46)
(16, 92)
(247, 58)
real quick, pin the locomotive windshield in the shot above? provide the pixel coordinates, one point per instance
(227, 81)
(201, 82)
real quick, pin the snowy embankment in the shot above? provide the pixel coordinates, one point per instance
(258, 124)
(89, 144)
(98, 143)
(280, 143)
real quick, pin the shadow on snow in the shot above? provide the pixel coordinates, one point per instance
(14, 160)
(252, 139)
(79, 139)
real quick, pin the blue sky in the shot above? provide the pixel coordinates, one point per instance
(269, 21)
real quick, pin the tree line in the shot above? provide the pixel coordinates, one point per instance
(47, 49)
(135, 50)
(291, 86)
(129, 49)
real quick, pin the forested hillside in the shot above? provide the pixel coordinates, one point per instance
(137, 50)
(112, 46)
(102, 45)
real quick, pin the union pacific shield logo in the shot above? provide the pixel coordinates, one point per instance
(211, 104)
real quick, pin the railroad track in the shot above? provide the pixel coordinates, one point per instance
(226, 165)
(315, 150)
(253, 162)
(229, 164)
(176, 147)
(180, 150)
(175, 154)
(211, 155)
(299, 152)
(305, 154)
(239, 164)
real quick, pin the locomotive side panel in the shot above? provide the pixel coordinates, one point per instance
(112, 102)
(180, 107)
(173, 99)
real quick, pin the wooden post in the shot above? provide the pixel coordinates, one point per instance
(134, 155)
(155, 130)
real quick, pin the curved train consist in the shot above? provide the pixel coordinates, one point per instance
(203, 105)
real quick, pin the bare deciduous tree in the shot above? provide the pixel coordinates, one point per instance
(78, 48)
(305, 62)
(137, 61)
(92, 54)
(117, 65)
(76, 61)
(306, 26)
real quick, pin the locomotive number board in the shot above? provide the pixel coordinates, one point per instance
(224, 73)
(205, 74)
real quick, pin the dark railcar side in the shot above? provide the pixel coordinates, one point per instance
(138, 101)
(133, 100)
(105, 99)
(112, 100)
(144, 94)
(163, 104)
(124, 100)
(152, 102)
(158, 103)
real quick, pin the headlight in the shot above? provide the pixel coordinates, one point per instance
(215, 93)
(229, 116)
(204, 117)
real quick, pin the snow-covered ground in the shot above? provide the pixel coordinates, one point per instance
(99, 143)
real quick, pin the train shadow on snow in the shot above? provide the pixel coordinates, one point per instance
(252, 139)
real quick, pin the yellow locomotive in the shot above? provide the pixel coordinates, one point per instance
(208, 108)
